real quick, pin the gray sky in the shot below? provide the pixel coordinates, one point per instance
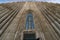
(4, 1)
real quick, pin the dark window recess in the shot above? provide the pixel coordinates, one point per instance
(29, 36)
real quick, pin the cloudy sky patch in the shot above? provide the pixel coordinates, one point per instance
(4, 1)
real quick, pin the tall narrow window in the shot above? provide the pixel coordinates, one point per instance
(29, 21)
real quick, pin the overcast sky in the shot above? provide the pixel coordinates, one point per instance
(4, 1)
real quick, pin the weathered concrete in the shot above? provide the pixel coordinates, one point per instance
(42, 27)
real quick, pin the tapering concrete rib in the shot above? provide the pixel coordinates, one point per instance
(15, 29)
(9, 34)
(21, 26)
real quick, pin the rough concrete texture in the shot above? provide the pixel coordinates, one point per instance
(17, 26)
